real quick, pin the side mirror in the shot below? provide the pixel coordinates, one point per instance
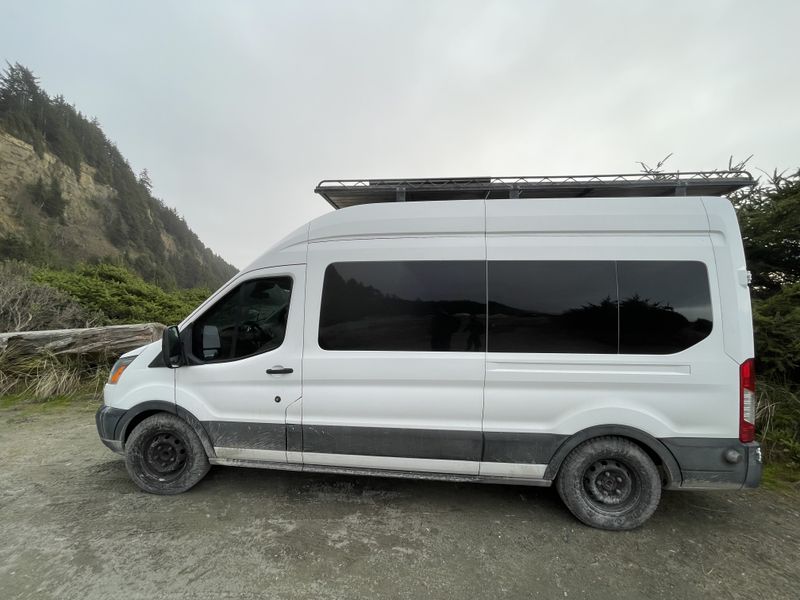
(171, 348)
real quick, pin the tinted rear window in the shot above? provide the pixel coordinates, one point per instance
(552, 306)
(404, 305)
(580, 307)
(665, 306)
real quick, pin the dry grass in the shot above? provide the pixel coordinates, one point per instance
(45, 376)
(778, 421)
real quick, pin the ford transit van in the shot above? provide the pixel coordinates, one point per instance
(593, 334)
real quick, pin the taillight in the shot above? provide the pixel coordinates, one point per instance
(747, 401)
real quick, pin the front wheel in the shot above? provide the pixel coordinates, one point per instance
(163, 455)
(610, 483)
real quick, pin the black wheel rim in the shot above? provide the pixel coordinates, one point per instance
(611, 485)
(165, 455)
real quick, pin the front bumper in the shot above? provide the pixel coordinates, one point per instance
(108, 420)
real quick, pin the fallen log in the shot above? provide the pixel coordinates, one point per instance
(105, 341)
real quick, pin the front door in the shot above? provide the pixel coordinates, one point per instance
(244, 364)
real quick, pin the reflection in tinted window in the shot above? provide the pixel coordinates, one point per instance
(249, 320)
(404, 305)
(213, 333)
(665, 306)
(552, 306)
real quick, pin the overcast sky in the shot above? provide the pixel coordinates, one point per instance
(238, 109)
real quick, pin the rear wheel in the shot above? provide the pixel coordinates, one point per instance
(163, 455)
(610, 483)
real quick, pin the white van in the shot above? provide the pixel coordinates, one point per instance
(599, 338)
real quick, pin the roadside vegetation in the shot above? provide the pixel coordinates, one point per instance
(769, 216)
(37, 298)
(150, 238)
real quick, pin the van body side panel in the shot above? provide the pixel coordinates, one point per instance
(395, 441)
(692, 393)
(392, 409)
(400, 220)
(599, 216)
(737, 316)
(689, 394)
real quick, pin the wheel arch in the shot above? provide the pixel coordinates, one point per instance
(140, 412)
(652, 446)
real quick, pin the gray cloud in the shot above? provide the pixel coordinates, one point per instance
(238, 108)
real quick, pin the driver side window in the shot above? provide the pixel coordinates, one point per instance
(249, 320)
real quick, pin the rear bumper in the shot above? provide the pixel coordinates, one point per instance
(714, 463)
(754, 466)
(107, 420)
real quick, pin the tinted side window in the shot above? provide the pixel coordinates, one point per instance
(213, 334)
(552, 306)
(249, 320)
(404, 305)
(665, 306)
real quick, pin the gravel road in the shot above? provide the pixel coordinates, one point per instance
(73, 526)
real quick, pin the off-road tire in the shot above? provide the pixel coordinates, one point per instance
(163, 455)
(609, 483)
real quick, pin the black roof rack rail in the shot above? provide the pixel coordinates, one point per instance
(341, 193)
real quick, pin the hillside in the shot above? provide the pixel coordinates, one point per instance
(68, 196)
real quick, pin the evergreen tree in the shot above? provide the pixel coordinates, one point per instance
(136, 220)
(769, 217)
(144, 180)
(54, 203)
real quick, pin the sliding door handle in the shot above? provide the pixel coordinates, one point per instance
(279, 370)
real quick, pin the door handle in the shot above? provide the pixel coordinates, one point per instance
(279, 370)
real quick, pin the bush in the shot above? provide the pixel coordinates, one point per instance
(121, 296)
(769, 217)
(36, 299)
(777, 330)
(49, 198)
(26, 305)
(778, 419)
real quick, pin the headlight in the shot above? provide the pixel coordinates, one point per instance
(119, 368)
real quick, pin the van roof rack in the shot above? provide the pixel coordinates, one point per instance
(341, 193)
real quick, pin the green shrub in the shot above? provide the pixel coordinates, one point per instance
(49, 198)
(27, 305)
(122, 296)
(777, 329)
(778, 421)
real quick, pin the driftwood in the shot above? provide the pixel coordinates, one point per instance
(105, 341)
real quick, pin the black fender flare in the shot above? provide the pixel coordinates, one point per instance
(673, 471)
(123, 425)
(153, 406)
(201, 432)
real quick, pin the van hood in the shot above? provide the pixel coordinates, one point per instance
(139, 350)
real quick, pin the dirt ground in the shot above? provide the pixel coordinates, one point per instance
(73, 526)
